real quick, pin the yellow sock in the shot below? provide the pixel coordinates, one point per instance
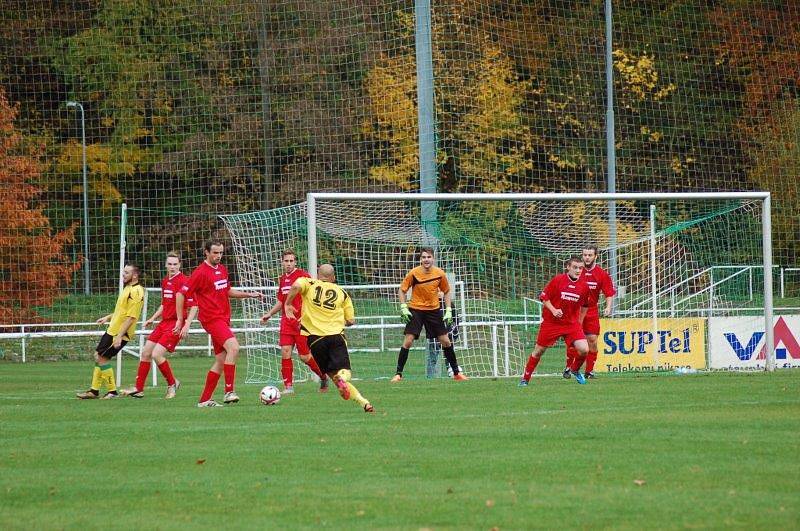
(97, 380)
(107, 373)
(356, 396)
(343, 374)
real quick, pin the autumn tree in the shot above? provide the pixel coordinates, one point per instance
(33, 268)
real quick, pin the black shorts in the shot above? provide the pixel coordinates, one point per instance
(430, 319)
(330, 352)
(106, 348)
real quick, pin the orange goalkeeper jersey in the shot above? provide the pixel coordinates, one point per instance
(425, 287)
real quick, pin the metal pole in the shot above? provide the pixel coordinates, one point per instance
(311, 216)
(87, 286)
(654, 282)
(425, 115)
(766, 224)
(122, 245)
(611, 150)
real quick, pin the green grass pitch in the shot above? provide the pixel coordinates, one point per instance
(632, 451)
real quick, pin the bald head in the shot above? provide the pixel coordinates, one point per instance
(325, 272)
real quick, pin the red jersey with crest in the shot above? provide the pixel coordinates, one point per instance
(209, 287)
(598, 281)
(171, 286)
(567, 295)
(291, 326)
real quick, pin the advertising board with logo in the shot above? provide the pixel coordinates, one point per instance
(737, 343)
(636, 345)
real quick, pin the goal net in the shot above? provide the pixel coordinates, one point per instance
(675, 263)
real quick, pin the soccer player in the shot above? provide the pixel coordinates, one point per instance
(599, 282)
(166, 335)
(290, 328)
(565, 301)
(425, 282)
(327, 309)
(121, 329)
(210, 288)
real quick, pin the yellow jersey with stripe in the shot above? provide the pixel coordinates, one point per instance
(129, 304)
(425, 287)
(326, 307)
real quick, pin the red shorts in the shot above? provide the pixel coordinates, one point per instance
(550, 333)
(295, 339)
(591, 325)
(220, 332)
(163, 335)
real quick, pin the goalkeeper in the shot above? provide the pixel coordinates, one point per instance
(425, 282)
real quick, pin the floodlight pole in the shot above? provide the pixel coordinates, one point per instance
(87, 286)
(611, 150)
(425, 116)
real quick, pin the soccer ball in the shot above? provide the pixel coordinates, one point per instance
(270, 395)
(450, 371)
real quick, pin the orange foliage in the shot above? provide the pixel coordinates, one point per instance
(32, 266)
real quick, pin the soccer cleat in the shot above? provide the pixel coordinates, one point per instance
(110, 395)
(128, 391)
(460, 377)
(589, 375)
(523, 383)
(368, 408)
(134, 394)
(88, 395)
(172, 390)
(209, 403)
(344, 389)
(288, 390)
(567, 374)
(396, 378)
(231, 397)
(579, 377)
(323, 385)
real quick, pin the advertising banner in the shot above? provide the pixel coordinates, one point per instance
(737, 343)
(633, 345)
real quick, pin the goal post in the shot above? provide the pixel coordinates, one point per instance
(610, 199)
(686, 262)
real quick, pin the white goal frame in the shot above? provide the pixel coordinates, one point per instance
(763, 197)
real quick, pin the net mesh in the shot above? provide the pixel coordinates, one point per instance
(197, 108)
(498, 262)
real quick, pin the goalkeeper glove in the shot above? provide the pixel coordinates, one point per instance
(405, 313)
(448, 316)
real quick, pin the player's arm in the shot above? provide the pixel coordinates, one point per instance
(546, 296)
(582, 314)
(272, 311)
(610, 292)
(105, 319)
(288, 307)
(405, 313)
(155, 316)
(239, 294)
(609, 309)
(183, 329)
(349, 311)
(123, 328)
(448, 308)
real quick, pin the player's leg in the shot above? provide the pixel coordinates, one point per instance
(591, 356)
(160, 357)
(305, 356)
(410, 334)
(582, 347)
(571, 354)
(103, 371)
(287, 368)
(339, 360)
(142, 370)
(231, 347)
(533, 361)
(214, 374)
(450, 356)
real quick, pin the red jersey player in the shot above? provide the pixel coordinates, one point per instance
(565, 301)
(166, 336)
(290, 328)
(599, 282)
(210, 287)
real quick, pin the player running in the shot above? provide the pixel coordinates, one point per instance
(599, 282)
(565, 301)
(210, 288)
(166, 336)
(327, 309)
(289, 334)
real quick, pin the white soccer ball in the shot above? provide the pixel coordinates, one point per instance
(270, 395)
(450, 371)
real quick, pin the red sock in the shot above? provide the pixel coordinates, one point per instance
(577, 361)
(230, 375)
(166, 370)
(591, 358)
(141, 374)
(530, 367)
(212, 379)
(571, 353)
(287, 370)
(312, 364)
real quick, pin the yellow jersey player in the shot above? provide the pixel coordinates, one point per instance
(121, 329)
(327, 309)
